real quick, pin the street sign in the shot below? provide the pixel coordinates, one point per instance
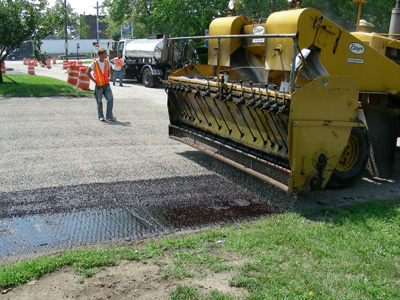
(78, 46)
(97, 46)
(126, 27)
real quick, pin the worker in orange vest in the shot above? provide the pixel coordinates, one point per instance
(118, 69)
(102, 71)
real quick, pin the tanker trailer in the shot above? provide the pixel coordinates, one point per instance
(296, 101)
(143, 60)
(147, 59)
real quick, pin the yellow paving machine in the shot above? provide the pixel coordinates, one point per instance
(295, 100)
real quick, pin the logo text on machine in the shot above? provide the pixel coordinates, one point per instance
(356, 48)
(258, 30)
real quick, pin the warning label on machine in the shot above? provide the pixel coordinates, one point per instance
(355, 60)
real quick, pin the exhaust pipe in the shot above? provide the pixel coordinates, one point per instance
(395, 21)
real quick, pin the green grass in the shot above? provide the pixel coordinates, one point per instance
(38, 86)
(342, 253)
(190, 293)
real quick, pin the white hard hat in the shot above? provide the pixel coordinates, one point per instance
(364, 23)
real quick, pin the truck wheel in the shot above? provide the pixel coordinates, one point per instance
(353, 161)
(147, 78)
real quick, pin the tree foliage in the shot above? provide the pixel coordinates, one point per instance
(83, 28)
(58, 13)
(192, 17)
(342, 12)
(176, 17)
(21, 20)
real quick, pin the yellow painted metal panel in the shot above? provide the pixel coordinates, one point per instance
(225, 26)
(342, 53)
(322, 114)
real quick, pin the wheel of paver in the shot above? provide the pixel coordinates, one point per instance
(147, 78)
(353, 160)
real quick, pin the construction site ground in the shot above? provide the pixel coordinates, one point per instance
(60, 166)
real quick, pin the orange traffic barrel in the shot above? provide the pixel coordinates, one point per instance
(54, 61)
(83, 80)
(48, 62)
(70, 64)
(28, 61)
(25, 61)
(73, 75)
(3, 68)
(35, 62)
(65, 64)
(42, 64)
(31, 68)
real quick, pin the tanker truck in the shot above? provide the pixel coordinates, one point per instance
(295, 100)
(147, 60)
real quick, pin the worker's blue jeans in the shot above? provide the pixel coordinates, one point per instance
(119, 74)
(105, 90)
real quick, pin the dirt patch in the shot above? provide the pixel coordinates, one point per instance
(128, 280)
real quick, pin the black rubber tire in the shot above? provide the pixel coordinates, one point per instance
(147, 78)
(358, 139)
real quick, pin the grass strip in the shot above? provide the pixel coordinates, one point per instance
(333, 253)
(38, 86)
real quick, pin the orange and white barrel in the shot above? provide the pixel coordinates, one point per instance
(3, 68)
(65, 64)
(28, 61)
(42, 64)
(35, 62)
(31, 68)
(48, 62)
(79, 63)
(73, 75)
(54, 60)
(70, 64)
(83, 80)
(25, 61)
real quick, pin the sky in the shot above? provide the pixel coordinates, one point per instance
(80, 7)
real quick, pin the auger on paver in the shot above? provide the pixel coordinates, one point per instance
(296, 101)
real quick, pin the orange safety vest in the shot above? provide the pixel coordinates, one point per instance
(101, 79)
(118, 62)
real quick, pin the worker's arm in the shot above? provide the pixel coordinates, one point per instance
(110, 73)
(89, 74)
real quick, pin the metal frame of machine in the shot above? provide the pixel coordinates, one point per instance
(296, 101)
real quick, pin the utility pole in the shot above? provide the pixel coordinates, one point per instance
(97, 23)
(395, 21)
(65, 30)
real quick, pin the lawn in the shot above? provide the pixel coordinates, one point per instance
(343, 253)
(38, 86)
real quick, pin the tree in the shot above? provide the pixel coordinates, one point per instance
(58, 12)
(176, 17)
(342, 12)
(83, 28)
(260, 8)
(21, 20)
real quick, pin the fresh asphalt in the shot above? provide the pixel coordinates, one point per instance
(67, 179)
(64, 175)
